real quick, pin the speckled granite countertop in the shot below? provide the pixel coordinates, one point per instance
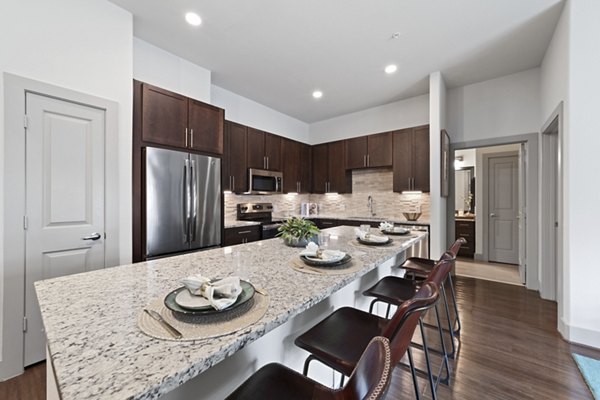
(98, 352)
(420, 222)
(239, 224)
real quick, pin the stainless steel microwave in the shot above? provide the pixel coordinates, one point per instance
(261, 181)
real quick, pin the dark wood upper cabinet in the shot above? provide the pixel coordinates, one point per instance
(173, 120)
(356, 152)
(225, 161)
(236, 155)
(164, 116)
(206, 127)
(296, 166)
(411, 159)
(329, 172)
(264, 150)
(369, 151)
(320, 168)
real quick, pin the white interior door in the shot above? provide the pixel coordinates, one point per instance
(64, 200)
(522, 215)
(503, 224)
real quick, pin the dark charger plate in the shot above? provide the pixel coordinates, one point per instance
(247, 293)
(343, 261)
(368, 243)
(396, 233)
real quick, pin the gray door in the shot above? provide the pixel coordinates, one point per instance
(205, 222)
(167, 197)
(64, 200)
(503, 200)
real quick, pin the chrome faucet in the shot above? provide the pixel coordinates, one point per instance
(371, 205)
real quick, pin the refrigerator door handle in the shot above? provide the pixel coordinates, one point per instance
(186, 194)
(194, 200)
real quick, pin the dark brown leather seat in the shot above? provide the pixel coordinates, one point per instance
(341, 337)
(370, 380)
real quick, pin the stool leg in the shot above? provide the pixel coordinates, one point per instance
(307, 364)
(427, 362)
(449, 318)
(371, 306)
(453, 293)
(413, 373)
(445, 380)
(342, 380)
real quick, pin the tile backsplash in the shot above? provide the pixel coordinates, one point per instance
(377, 183)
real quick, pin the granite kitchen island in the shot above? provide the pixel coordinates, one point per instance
(97, 351)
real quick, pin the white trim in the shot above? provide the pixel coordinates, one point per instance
(15, 88)
(579, 335)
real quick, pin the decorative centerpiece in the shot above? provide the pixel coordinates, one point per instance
(297, 232)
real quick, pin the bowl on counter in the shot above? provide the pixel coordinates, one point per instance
(411, 216)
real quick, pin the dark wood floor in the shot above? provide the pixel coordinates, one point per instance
(509, 349)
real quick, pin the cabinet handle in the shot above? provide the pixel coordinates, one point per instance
(233, 183)
(267, 162)
(186, 137)
(264, 162)
(368, 160)
(364, 160)
(191, 138)
(244, 232)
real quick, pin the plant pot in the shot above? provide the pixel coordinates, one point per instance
(295, 242)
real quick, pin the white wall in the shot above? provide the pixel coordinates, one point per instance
(82, 46)
(168, 71)
(582, 196)
(554, 89)
(400, 114)
(499, 107)
(248, 112)
(437, 122)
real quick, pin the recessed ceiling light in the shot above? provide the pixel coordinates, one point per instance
(390, 69)
(193, 19)
(317, 94)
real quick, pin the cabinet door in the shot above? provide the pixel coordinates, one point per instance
(402, 159)
(256, 149)
(379, 150)
(290, 152)
(420, 156)
(205, 123)
(237, 157)
(305, 168)
(356, 152)
(339, 179)
(225, 171)
(273, 151)
(320, 167)
(164, 117)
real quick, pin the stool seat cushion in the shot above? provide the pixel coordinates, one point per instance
(393, 290)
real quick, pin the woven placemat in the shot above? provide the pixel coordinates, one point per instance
(350, 267)
(203, 326)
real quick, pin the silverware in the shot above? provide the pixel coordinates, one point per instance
(261, 291)
(156, 316)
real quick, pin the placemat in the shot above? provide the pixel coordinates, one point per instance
(352, 266)
(203, 326)
(396, 240)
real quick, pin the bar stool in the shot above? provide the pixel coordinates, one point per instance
(369, 380)
(420, 267)
(338, 340)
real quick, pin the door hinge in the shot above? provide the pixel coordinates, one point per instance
(25, 222)
(104, 235)
(556, 224)
(25, 121)
(24, 324)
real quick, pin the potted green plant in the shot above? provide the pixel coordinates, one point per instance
(297, 232)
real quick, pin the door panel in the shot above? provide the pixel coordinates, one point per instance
(380, 150)
(504, 208)
(256, 149)
(273, 151)
(320, 167)
(237, 157)
(402, 163)
(164, 116)
(206, 124)
(64, 201)
(290, 152)
(339, 179)
(356, 152)
(421, 158)
(206, 203)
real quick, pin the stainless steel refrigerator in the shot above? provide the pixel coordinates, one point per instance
(183, 201)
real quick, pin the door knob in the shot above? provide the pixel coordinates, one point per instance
(93, 236)
(492, 215)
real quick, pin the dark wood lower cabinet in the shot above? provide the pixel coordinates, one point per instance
(466, 229)
(245, 234)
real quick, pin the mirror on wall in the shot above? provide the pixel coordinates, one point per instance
(464, 201)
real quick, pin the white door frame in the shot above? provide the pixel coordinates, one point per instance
(551, 273)
(485, 201)
(532, 195)
(12, 280)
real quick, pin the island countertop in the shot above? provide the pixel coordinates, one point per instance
(97, 350)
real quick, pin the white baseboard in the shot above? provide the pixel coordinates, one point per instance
(579, 335)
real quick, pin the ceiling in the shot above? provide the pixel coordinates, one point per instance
(277, 52)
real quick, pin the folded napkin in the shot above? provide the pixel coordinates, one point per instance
(386, 226)
(220, 294)
(311, 250)
(369, 237)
